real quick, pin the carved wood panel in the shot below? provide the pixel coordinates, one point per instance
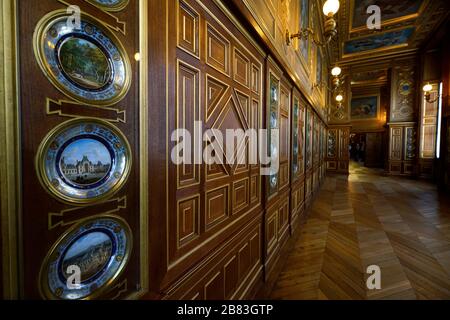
(396, 143)
(218, 81)
(229, 273)
(337, 153)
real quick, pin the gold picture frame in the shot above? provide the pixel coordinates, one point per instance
(378, 113)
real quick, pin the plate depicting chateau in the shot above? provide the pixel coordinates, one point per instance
(91, 253)
(99, 246)
(85, 162)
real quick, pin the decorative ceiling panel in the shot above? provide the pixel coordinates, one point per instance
(405, 27)
(392, 12)
(367, 77)
(379, 42)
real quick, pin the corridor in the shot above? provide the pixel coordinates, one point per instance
(398, 224)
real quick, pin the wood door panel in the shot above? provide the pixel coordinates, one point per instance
(39, 207)
(396, 144)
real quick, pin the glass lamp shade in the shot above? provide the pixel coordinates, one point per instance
(427, 88)
(331, 7)
(339, 98)
(336, 71)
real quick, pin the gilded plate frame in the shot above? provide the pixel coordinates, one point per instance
(52, 255)
(46, 144)
(114, 8)
(38, 39)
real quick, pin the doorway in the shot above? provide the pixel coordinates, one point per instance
(367, 149)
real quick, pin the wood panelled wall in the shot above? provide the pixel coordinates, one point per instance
(442, 71)
(444, 171)
(271, 19)
(402, 148)
(213, 231)
(227, 225)
(217, 76)
(44, 218)
(402, 119)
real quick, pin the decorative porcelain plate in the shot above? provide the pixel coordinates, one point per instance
(84, 160)
(405, 87)
(85, 62)
(97, 250)
(110, 5)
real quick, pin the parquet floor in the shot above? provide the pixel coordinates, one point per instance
(398, 224)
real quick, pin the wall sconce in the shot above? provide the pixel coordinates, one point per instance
(330, 8)
(337, 82)
(335, 72)
(339, 99)
(427, 91)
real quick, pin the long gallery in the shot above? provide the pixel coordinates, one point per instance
(224, 150)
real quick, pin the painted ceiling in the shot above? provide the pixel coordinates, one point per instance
(365, 77)
(405, 25)
(390, 10)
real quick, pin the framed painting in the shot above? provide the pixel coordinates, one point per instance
(304, 24)
(319, 67)
(365, 108)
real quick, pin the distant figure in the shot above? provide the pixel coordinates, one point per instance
(357, 153)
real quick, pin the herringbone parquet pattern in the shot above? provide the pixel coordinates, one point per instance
(401, 225)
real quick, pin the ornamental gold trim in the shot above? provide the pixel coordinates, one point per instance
(50, 187)
(39, 52)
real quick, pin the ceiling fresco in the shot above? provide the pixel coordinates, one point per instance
(406, 25)
(390, 10)
(383, 41)
(367, 77)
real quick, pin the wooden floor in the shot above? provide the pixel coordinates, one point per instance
(401, 225)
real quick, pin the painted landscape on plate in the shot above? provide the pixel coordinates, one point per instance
(84, 63)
